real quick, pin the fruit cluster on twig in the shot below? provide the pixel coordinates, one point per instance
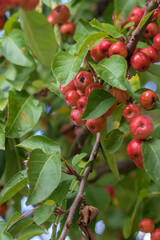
(60, 15)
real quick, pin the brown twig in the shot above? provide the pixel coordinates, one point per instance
(79, 141)
(131, 46)
(124, 167)
(79, 195)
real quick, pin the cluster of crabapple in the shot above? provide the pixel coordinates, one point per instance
(76, 96)
(147, 226)
(28, 5)
(140, 126)
(60, 15)
(141, 58)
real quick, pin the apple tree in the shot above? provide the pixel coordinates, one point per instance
(79, 119)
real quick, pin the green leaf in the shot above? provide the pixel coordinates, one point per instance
(108, 13)
(15, 184)
(3, 225)
(43, 213)
(12, 160)
(156, 132)
(5, 236)
(127, 229)
(10, 23)
(99, 101)
(65, 66)
(21, 78)
(24, 113)
(134, 83)
(123, 8)
(109, 157)
(151, 156)
(109, 29)
(61, 191)
(142, 45)
(13, 219)
(19, 226)
(146, 18)
(15, 49)
(118, 112)
(39, 35)
(88, 40)
(2, 137)
(3, 100)
(114, 140)
(31, 231)
(112, 71)
(124, 125)
(77, 158)
(44, 143)
(44, 173)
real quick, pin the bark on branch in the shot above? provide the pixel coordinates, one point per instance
(79, 195)
(131, 46)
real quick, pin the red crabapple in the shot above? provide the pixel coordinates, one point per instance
(76, 117)
(141, 127)
(96, 125)
(71, 98)
(148, 99)
(131, 111)
(83, 79)
(140, 62)
(134, 151)
(146, 225)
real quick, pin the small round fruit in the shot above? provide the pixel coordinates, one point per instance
(151, 53)
(68, 29)
(104, 47)
(68, 87)
(96, 125)
(136, 15)
(131, 111)
(156, 13)
(121, 96)
(156, 234)
(61, 14)
(51, 20)
(146, 225)
(71, 98)
(141, 127)
(96, 54)
(148, 99)
(83, 79)
(140, 62)
(29, 5)
(134, 151)
(118, 48)
(91, 87)
(151, 30)
(76, 117)
(82, 103)
(156, 41)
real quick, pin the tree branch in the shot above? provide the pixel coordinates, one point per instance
(79, 195)
(131, 46)
(79, 141)
(124, 167)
